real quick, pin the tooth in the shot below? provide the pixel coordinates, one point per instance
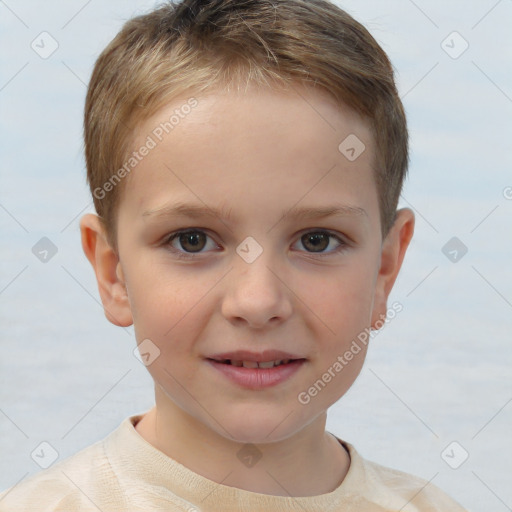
(269, 364)
(236, 363)
(286, 361)
(250, 364)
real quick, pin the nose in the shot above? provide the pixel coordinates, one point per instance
(256, 295)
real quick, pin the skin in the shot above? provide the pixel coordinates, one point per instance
(256, 154)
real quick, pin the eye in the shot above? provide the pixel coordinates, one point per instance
(191, 241)
(318, 241)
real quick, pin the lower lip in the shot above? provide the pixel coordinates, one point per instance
(258, 378)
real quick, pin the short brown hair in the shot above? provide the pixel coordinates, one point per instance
(194, 45)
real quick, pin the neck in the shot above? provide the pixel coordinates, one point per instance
(309, 463)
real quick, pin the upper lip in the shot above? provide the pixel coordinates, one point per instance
(259, 357)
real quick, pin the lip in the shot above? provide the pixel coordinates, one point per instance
(257, 378)
(247, 355)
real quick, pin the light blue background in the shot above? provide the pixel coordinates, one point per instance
(440, 372)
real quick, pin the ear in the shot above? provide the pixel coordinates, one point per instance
(392, 254)
(107, 267)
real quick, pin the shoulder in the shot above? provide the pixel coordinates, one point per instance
(423, 494)
(393, 488)
(62, 487)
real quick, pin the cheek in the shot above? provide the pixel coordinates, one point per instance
(163, 306)
(342, 300)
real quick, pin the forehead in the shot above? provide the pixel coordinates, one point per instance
(262, 145)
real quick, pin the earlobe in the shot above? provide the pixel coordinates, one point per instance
(108, 270)
(394, 248)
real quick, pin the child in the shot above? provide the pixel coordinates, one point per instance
(245, 159)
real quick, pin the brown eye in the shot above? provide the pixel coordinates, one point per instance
(316, 242)
(191, 244)
(322, 243)
(192, 241)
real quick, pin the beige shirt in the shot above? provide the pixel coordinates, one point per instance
(123, 472)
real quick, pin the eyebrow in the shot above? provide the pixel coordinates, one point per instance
(196, 211)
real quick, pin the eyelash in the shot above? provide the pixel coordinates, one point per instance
(191, 255)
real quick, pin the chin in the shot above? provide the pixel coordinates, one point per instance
(253, 436)
(255, 429)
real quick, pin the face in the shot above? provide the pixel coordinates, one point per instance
(246, 229)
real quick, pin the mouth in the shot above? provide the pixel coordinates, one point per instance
(257, 375)
(256, 364)
(248, 359)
